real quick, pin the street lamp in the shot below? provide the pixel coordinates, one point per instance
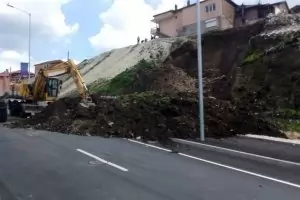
(200, 82)
(29, 34)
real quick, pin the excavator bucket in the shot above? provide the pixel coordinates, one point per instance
(85, 107)
(87, 102)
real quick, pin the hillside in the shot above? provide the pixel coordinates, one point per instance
(150, 90)
(109, 64)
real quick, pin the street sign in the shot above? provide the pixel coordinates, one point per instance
(24, 69)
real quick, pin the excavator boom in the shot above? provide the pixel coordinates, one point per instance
(45, 87)
(68, 67)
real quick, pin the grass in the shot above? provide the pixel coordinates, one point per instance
(288, 119)
(288, 113)
(289, 124)
(252, 57)
(149, 98)
(122, 81)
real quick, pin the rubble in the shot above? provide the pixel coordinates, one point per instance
(149, 115)
(281, 25)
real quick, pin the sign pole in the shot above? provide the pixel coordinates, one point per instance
(200, 81)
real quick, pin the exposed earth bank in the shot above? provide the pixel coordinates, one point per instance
(250, 86)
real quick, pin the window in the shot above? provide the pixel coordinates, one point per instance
(52, 87)
(210, 8)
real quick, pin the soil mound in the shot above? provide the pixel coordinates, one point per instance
(149, 115)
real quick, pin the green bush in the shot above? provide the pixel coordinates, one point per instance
(119, 83)
(252, 57)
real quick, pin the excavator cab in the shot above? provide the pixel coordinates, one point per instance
(53, 86)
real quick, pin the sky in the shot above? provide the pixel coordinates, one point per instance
(85, 28)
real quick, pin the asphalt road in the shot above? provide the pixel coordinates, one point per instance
(45, 166)
(263, 147)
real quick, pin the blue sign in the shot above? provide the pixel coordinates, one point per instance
(24, 69)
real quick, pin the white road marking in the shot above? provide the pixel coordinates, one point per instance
(149, 145)
(225, 166)
(240, 152)
(243, 171)
(102, 160)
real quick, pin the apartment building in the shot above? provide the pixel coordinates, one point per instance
(296, 9)
(248, 14)
(47, 64)
(215, 15)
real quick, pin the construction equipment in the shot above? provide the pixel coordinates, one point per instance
(45, 89)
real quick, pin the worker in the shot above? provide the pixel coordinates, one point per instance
(138, 39)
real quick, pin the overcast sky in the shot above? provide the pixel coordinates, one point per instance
(86, 29)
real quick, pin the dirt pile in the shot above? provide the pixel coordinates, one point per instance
(150, 115)
(268, 79)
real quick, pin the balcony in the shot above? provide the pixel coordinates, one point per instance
(155, 31)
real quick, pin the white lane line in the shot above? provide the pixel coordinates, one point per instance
(102, 160)
(225, 166)
(240, 152)
(243, 171)
(149, 145)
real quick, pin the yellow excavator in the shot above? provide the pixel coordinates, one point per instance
(34, 97)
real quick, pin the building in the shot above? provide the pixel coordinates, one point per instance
(248, 14)
(4, 82)
(47, 64)
(16, 76)
(215, 15)
(296, 9)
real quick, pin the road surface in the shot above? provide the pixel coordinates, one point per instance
(43, 165)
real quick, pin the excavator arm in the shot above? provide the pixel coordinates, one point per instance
(45, 89)
(68, 67)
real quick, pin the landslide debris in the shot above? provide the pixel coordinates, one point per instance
(268, 79)
(250, 80)
(149, 115)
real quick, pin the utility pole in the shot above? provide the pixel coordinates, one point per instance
(200, 81)
(68, 55)
(29, 35)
